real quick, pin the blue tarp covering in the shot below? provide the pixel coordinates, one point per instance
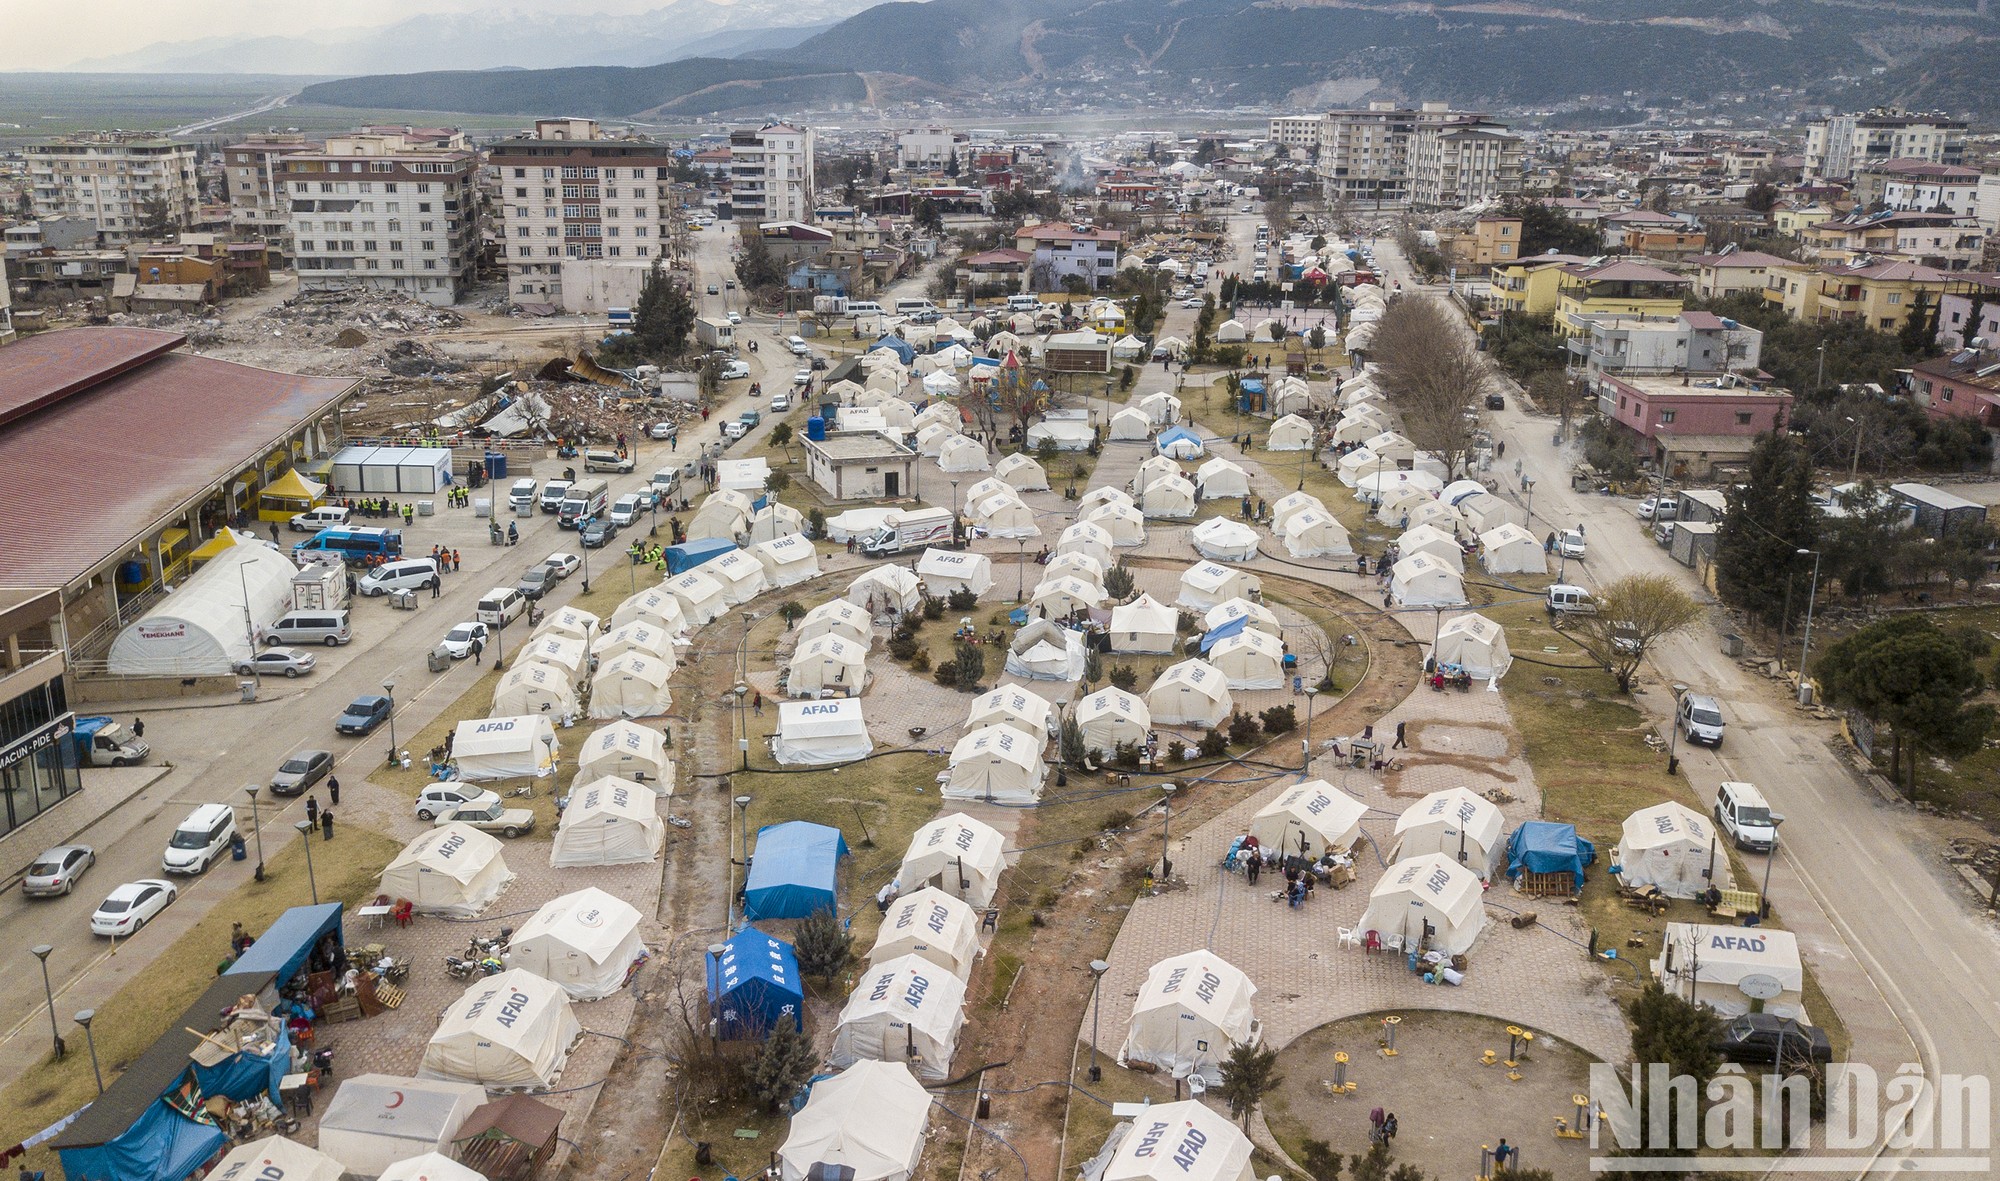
(896, 344)
(1211, 639)
(285, 944)
(754, 985)
(161, 1145)
(1540, 846)
(241, 1076)
(689, 554)
(794, 871)
(1175, 434)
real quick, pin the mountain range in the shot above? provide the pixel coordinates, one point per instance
(1219, 53)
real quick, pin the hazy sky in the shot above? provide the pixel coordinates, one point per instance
(42, 35)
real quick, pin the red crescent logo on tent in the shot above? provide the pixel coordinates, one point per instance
(396, 1100)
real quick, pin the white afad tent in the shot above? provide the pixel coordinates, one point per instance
(647, 639)
(837, 617)
(1220, 539)
(1162, 407)
(1144, 625)
(1102, 494)
(513, 1030)
(1151, 468)
(1168, 498)
(275, 1158)
(1435, 542)
(1486, 512)
(1422, 581)
(1673, 847)
(960, 454)
(1021, 470)
(1438, 515)
(1220, 479)
(454, 869)
(1255, 615)
(944, 571)
(375, 1120)
(1111, 716)
(886, 588)
(653, 606)
(1283, 508)
(1250, 659)
(1006, 515)
(532, 687)
(1430, 901)
(586, 943)
(431, 1166)
(787, 560)
(1183, 1141)
(864, 1124)
(486, 749)
(1192, 1008)
(204, 627)
(565, 652)
(1130, 424)
(776, 520)
(1080, 564)
(1325, 816)
(1054, 598)
(1011, 705)
(932, 924)
(996, 763)
(1476, 644)
(609, 822)
(963, 856)
(1086, 538)
(1042, 651)
(903, 1010)
(631, 686)
(1456, 822)
(820, 733)
(702, 598)
(1290, 433)
(1509, 549)
(741, 576)
(1125, 524)
(1207, 584)
(628, 751)
(1310, 533)
(573, 622)
(1231, 332)
(1191, 693)
(1727, 968)
(828, 665)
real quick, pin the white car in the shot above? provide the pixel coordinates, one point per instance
(802, 377)
(734, 318)
(440, 798)
(735, 370)
(131, 906)
(562, 564)
(458, 641)
(1569, 543)
(625, 510)
(1191, 302)
(278, 662)
(663, 431)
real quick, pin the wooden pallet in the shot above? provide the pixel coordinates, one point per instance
(389, 996)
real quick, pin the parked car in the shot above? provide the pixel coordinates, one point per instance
(458, 641)
(537, 581)
(363, 715)
(802, 377)
(1656, 508)
(1762, 1037)
(1700, 719)
(596, 532)
(131, 906)
(819, 363)
(625, 510)
(735, 429)
(734, 318)
(278, 662)
(493, 817)
(714, 290)
(663, 431)
(780, 403)
(563, 564)
(56, 871)
(1496, 401)
(1191, 303)
(1569, 543)
(735, 370)
(440, 798)
(301, 771)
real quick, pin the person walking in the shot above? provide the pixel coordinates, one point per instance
(1375, 1121)
(478, 646)
(1399, 744)
(757, 703)
(454, 561)
(333, 789)
(326, 825)
(138, 727)
(312, 809)
(1389, 1128)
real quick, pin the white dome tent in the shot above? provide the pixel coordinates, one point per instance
(1079, 564)
(1130, 425)
(611, 821)
(1055, 598)
(486, 749)
(631, 686)
(654, 606)
(1064, 434)
(996, 763)
(1005, 515)
(1290, 433)
(1673, 847)
(864, 1124)
(509, 1031)
(1161, 407)
(1510, 549)
(1395, 508)
(955, 849)
(1486, 512)
(1384, 485)
(1151, 468)
(1190, 1011)
(1042, 651)
(1423, 581)
(646, 639)
(776, 520)
(560, 651)
(1325, 816)
(1220, 539)
(886, 588)
(1250, 659)
(787, 560)
(431, 1166)
(702, 598)
(1011, 705)
(827, 666)
(204, 627)
(1219, 479)
(1182, 1141)
(1231, 332)
(274, 1158)
(1021, 471)
(741, 576)
(1169, 499)
(1435, 542)
(1111, 716)
(586, 943)
(1310, 533)
(531, 687)
(1391, 446)
(903, 1010)
(931, 439)
(1207, 584)
(1476, 644)
(961, 454)
(837, 617)
(1124, 522)
(932, 925)
(1428, 901)
(1455, 822)
(1191, 693)
(1086, 538)
(1144, 625)
(1283, 508)
(944, 571)
(628, 751)
(1255, 615)
(821, 733)
(1359, 464)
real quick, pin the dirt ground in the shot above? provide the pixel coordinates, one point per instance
(1436, 1069)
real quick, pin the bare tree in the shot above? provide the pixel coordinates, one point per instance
(1634, 614)
(1433, 377)
(1557, 393)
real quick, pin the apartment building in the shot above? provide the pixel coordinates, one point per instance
(6, 305)
(1297, 133)
(1461, 160)
(771, 173)
(568, 193)
(378, 211)
(1691, 428)
(1364, 156)
(1921, 187)
(1732, 271)
(1840, 146)
(1431, 157)
(1058, 250)
(1877, 292)
(931, 148)
(258, 204)
(112, 178)
(1691, 343)
(1622, 286)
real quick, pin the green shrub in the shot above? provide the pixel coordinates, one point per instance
(921, 662)
(962, 600)
(1118, 582)
(1243, 730)
(933, 608)
(902, 647)
(1213, 744)
(1176, 751)
(947, 675)
(1125, 677)
(1280, 719)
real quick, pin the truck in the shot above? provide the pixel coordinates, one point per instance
(101, 742)
(620, 319)
(829, 305)
(714, 332)
(319, 587)
(907, 530)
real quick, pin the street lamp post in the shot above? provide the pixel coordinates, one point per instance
(1764, 895)
(256, 829)
(954, 512)
(1305, 761)
(1805, 648)
(1819, 382)
(1097, 970)
(743, 813)
(389, 688)
(743, 724)
(1167, 829)
(84, 1019)
(1854, 465)
(42, 953)
(306, 835)
(1020, 567)
(586, 558)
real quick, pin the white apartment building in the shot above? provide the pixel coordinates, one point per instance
(111, 177)
(571, 200)
(375, 210)
(6, 304)
(1364, 156)
(771, 173)
(931, 148)
(1928, 188)
(1297, 133)
(1461, 161)
(1838, 147)
(1431, 157)
(258, 203)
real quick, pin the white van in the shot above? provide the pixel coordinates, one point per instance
(200, 840)
(1566, 599)
(522, 494)
(500, 606)
(1746, 816)
(910, 307)
(326, 516)
(310, 627)
(1022, 303)
(862, 307)
(1700, 719)
(666, 482)
(606, 461)
(552, 495)
(798, 345)
(401, 574)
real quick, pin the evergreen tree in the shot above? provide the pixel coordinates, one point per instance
(784, 1064)
(1248, 1074)
(757, 270)
(1769, 519)
(822, 944)
(664, 317)
(1918, 678)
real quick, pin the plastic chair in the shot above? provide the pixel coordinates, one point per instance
(1348, 938)
(1393, 943)
(1372, 942)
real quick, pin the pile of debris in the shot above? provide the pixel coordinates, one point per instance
(328, 314)
(409, 358)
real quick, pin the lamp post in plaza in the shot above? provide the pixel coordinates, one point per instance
(84, 1019)
(256, 829)
(306, 834)
(42, 952)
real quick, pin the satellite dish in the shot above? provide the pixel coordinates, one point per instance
(1759, 987)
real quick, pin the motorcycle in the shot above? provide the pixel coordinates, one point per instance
(461, 969)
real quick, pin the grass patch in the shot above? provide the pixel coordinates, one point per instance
(347, 869)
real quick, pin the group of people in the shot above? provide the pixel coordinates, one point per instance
(446, 559)
(457, 497)
(380, 506)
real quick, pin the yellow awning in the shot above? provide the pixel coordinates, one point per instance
(293, 486)
(227, 539)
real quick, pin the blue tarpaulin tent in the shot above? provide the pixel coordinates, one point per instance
(242, 1076)
(286, 944)
(161, 1145)
(1210, 639)
(689, 554)
(1179, 442)
(793, 873)
(1540, 846)
(897, 345)
(753, 985)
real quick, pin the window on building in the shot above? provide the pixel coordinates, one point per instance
(1666, 416)
(1742, 418)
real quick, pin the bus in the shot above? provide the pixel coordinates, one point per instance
(354, 545)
